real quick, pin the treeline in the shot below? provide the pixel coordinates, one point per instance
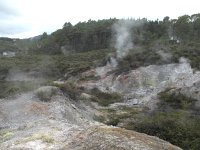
(84, 36)
(92, 35)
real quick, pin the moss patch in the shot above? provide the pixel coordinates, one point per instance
(43, 137)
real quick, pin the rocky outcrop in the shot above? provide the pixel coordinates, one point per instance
(141, 86)
(112, 138)
(47, 119)
(60, 123)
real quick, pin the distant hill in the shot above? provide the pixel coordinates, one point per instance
(94, 35)
(7, 44)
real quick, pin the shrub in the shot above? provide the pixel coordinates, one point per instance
(104, 99)
(175, 100)
(142, 56)
(45, 93)
(70, 90)
(177, 127)
(115, 116)
(99, 118)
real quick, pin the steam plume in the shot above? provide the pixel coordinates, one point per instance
(124, 36)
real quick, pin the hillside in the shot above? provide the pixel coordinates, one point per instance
(98, 82)
(61, 124)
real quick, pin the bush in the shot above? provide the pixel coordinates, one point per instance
(138, 57)
(177, 127)
(175, 100)
(45, 93)
(113, 117)
(190, 51)
(70, 90)
(104, 99)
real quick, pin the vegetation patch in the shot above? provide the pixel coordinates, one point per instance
(5, 135)
(141, 56)
(46, 94)
(43, 137)
(189, 50)
(104, 99)
(178, 127)
(49, 67)
(10, 88)
(89, 78)
(70, 90)
(115, 116)
(175, 100)
(174, 121)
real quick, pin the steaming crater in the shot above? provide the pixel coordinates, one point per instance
(141, 86)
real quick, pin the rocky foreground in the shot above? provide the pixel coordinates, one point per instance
(49, 119)
(27, 123)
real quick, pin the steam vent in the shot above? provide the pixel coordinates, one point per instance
(110, 84)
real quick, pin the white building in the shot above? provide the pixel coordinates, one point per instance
(8, 54)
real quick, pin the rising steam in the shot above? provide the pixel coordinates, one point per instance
(123, 42)
(124, 36)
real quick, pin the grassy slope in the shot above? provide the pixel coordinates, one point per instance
(49, 67)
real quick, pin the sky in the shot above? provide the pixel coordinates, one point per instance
(28, 18)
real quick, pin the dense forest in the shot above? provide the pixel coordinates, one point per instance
(178, 37)
(99, 34)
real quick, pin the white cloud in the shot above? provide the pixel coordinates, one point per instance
(38, 16)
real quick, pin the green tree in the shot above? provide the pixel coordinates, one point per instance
(183, 28)
(196, 25)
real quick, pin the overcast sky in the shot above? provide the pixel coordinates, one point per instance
(27, 18)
